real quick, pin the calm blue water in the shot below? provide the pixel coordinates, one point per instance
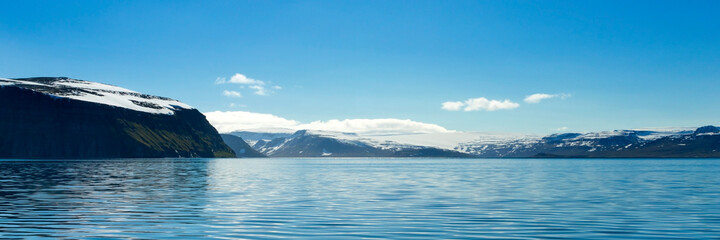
(360, 198)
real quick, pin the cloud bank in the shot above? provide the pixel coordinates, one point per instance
(231, 121)
(479, 104)
(538, 97)
(374, 126)
(240, 120)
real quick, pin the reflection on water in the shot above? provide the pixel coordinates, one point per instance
(362, 198)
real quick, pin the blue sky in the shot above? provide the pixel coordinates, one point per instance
(617, 64)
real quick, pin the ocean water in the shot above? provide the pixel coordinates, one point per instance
(361, 198)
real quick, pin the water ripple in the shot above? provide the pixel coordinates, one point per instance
(360, 198)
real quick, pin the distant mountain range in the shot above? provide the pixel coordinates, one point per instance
(703, 142)
(51, 117)
(305, 144)
(62, 118)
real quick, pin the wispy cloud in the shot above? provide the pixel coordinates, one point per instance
(241, 120)
(479, 104)
(561, 129)
(235, 94)
(538, 97)
(259, 90)
(234, 105)
(257, 85)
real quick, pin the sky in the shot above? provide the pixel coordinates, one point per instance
(488, 66)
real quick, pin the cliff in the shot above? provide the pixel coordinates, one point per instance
(63, 118)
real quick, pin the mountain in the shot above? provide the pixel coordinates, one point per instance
(62, 118)
(594, 144)
(630, 144)
(241, 148)
(640, 143)
(704, 142)
(306, 143)
(262, 134)
(673, 143)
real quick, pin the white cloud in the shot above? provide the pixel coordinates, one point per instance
(259, 90)
(536, 98)
(478, 104)
(562, 129)
(232, 94)
(240, 120)
(374, 126)
(242, 79)
(452, 106)
(257, 85)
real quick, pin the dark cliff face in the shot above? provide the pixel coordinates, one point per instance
(38, 125)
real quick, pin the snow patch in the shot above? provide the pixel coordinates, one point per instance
(325, 153)
(102, 94)
(4, 82)
(708, 134)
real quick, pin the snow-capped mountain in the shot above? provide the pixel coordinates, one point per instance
(571, 144)
(50, 117)
(625, 143)
(703, 142)
(306, 143)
